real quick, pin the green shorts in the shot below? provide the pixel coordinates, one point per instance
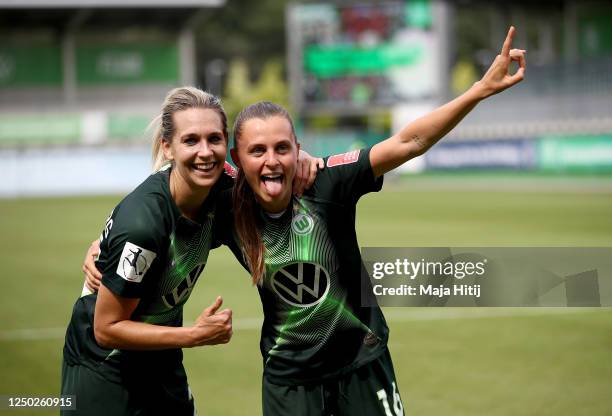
(95, 395)
(370, 390)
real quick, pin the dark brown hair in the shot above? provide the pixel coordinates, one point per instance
(180, 99)
(245, 204)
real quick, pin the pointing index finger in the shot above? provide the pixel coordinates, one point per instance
(508, 42)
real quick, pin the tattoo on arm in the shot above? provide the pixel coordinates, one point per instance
(419, 142)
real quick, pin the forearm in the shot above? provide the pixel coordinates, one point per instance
(424, 132)
(114, 328)
(420, 135)
(133, 335)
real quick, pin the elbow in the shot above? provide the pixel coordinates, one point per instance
(416, 146)
(102, 336)
(419, 152)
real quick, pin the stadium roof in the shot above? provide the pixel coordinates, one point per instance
(67, 4)
(36, 15)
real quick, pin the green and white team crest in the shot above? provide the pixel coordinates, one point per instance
(302, 224)
(301, 284)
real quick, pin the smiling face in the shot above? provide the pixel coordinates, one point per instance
(198, 149)
(267, 153)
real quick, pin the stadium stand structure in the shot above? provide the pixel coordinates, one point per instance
(84, 71)
(555, 98)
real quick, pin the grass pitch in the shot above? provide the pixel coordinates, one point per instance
(462, 362)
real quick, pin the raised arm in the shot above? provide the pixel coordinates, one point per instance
(418, 136)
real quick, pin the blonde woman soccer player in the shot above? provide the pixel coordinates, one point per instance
(323, 353)
(122, 354)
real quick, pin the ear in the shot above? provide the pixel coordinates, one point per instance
(299, 147)
(235, 159)
(167, 149)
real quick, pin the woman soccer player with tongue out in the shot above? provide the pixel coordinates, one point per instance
(325, 354)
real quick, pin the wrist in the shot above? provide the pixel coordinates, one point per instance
(480, 90)
(191, 337)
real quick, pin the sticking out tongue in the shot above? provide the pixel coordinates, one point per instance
(273, 186)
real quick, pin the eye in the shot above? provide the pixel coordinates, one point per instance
(257, 151)
(190, 140)
(283, 148)
(215, 139)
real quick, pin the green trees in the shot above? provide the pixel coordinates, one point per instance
(239, 91)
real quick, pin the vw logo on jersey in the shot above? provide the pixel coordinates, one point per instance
(181, 293)
(302, 224)
(301, 284)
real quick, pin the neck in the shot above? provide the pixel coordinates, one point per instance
(275, 207)
(187, 199)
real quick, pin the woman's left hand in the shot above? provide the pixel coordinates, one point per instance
(92, 274)
(307, 168)
(498, 77)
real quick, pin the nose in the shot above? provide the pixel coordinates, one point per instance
(271, 158)
(204, 149)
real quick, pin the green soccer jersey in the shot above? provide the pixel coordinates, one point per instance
(148, 250)
(314, 325)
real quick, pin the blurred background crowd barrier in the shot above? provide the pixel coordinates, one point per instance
(81, 80)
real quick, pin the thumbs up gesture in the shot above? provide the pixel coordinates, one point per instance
(213, 326)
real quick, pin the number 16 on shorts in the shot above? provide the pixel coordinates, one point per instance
(398, 407)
